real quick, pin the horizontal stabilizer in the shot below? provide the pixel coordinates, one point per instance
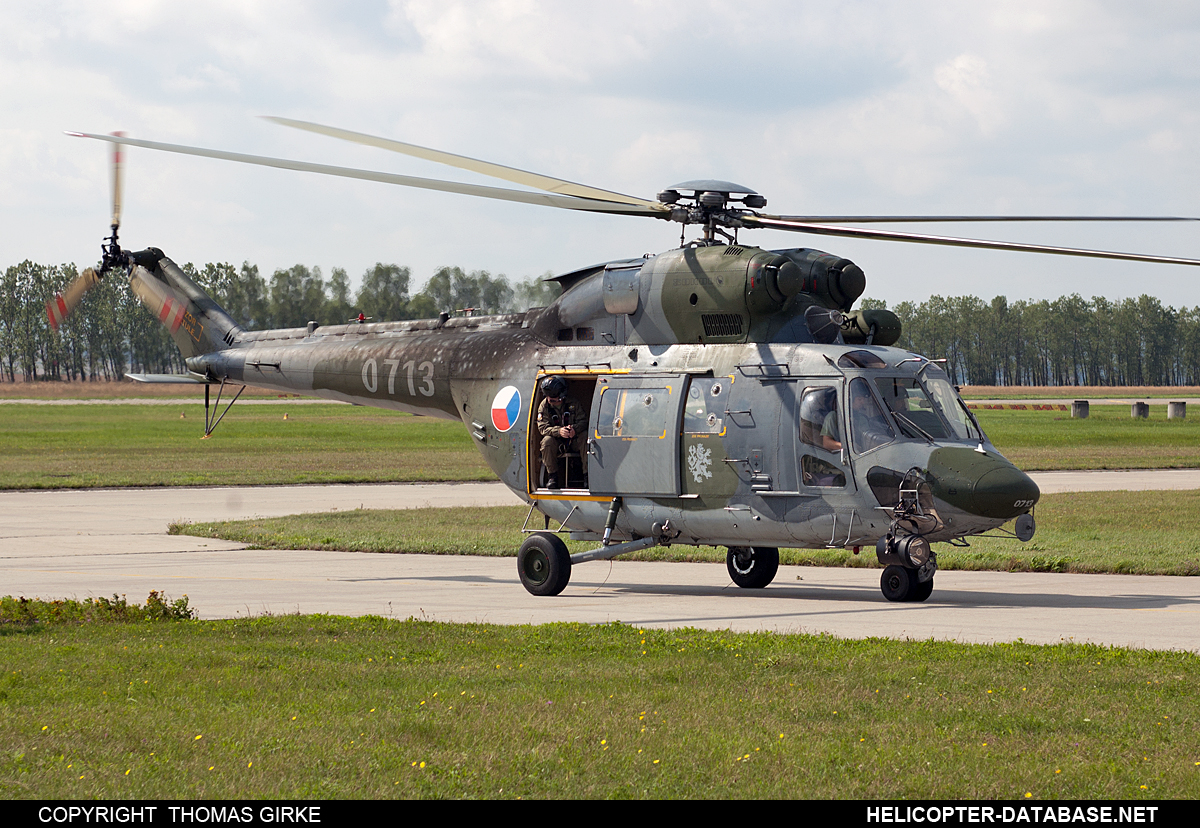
(170, 379)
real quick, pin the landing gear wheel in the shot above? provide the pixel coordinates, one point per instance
(752, 567)
(544, 564)
(920, 591)
(897, 583)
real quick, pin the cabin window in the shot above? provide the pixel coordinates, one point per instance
(634, 412)
(704, 411)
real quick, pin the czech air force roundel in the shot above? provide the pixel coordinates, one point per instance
(506, 407)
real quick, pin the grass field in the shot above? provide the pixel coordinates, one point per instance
(142, 445)
(120, 390)
(1108, 439)
(43, 390)
(325, 707)
(138, 445)
(1144, 533)
(1078, 392)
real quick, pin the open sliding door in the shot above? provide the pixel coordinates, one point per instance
(634, 444)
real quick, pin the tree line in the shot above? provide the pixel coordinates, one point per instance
(111, 333)
(1067, 341)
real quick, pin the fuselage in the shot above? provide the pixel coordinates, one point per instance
(782, 444)
(724, 405)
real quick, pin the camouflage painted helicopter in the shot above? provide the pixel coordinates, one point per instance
(732, 395)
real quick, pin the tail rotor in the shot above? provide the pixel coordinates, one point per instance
(112, 256)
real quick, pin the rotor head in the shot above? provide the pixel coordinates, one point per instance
(711, 193)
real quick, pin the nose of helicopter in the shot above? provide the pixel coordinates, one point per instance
(982, 484)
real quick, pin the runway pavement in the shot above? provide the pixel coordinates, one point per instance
(100, 542)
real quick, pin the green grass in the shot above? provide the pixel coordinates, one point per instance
(1066, 394)
(24, 611)
(137, 445)
(1144, 533)
(1108, 439)
(324, 707)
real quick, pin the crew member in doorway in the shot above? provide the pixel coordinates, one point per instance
(562, 424)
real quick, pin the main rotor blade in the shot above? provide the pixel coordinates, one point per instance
(543, 199)
(118, 163)
(462, 162)
(889, 235)
(947, 219)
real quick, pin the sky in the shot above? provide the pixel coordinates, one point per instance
(823, 107)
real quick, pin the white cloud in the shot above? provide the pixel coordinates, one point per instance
(966, 79)
(855, 107)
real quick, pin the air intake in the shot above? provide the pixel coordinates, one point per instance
(722, 324)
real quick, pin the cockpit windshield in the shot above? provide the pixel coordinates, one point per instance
(911, 406)
(962, 425)
(928, 408)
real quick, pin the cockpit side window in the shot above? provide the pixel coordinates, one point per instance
(820, 428)
(819, 424)
(869, 427)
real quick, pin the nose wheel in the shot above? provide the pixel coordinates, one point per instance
(901, 583)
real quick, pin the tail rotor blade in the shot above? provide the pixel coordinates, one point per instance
(118, 164)
(63, 304)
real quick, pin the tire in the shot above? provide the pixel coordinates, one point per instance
(897, 583)
(920, 591)
(544, 564)
(752, 567)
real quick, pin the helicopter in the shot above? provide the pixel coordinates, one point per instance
(723, 394)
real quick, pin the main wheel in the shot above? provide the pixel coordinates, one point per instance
(544, 564)
(897, 583)
(752, 567)
(920, 591)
